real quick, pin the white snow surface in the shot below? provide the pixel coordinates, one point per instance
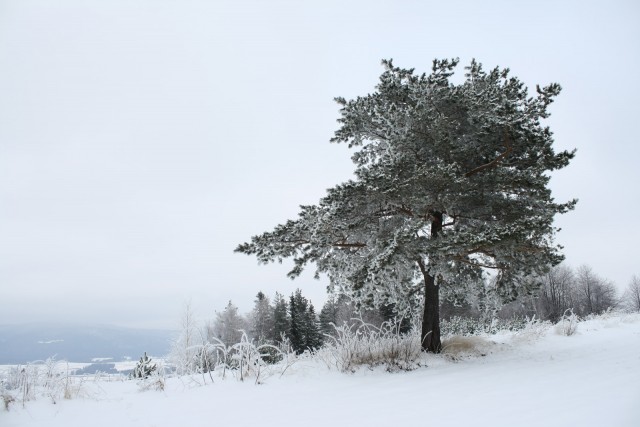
(589, 379)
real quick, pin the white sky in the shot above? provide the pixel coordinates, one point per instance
(141, 141)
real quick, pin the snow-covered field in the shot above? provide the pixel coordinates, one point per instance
(524, 379)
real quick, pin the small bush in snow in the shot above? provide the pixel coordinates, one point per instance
(154, 382)
(568, 324)
(48, 378)
(7, 398)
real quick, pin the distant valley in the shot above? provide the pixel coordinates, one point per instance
(79, 343)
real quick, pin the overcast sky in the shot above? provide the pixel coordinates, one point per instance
(141, 141)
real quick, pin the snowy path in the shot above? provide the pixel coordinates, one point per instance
(590, 379)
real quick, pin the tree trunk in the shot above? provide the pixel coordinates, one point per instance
(431, 318)
(430, 336)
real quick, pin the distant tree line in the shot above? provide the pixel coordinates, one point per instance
(580, 290)
(293, 324)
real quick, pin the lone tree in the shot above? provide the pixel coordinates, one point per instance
(450, 186)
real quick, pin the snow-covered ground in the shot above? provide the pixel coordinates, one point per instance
(589, 379)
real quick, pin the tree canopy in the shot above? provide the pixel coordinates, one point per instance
(451, 183)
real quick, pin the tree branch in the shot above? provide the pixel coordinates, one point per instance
(492, 164)
(348, 245)
(475, 264)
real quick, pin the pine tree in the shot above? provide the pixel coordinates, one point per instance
(329, 316)
(313, 336)
(451, 181)
(144, 368)
(229, 325)
(304, 329)
(280, 319)
(261, 319)
(297, 325)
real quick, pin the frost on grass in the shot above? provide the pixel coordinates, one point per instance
(50, 378)
(363, 344)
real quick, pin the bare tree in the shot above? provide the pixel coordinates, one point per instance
(595, 294)
(557, 293)
(631, 297)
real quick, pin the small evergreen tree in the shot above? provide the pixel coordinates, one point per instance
(144, 368)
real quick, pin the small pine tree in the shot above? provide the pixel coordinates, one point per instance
(143, 368)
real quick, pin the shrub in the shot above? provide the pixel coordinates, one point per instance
(568, 323)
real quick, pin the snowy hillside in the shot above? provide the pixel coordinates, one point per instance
(535, 377)
(79, 342)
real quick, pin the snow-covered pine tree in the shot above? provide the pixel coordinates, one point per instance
(313, 336)
(297, 319)
(304, 330)
(229, 325)
(329, 316)
(451, 181)
(280, 318)
(261, 319)
(144, 368)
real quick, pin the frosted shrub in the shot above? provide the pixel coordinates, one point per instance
(7, 398)
(361, 344)
(568, 324)
(242, 360)
(22, 382)
(48, 378)
(254, 361)
(154, 381)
